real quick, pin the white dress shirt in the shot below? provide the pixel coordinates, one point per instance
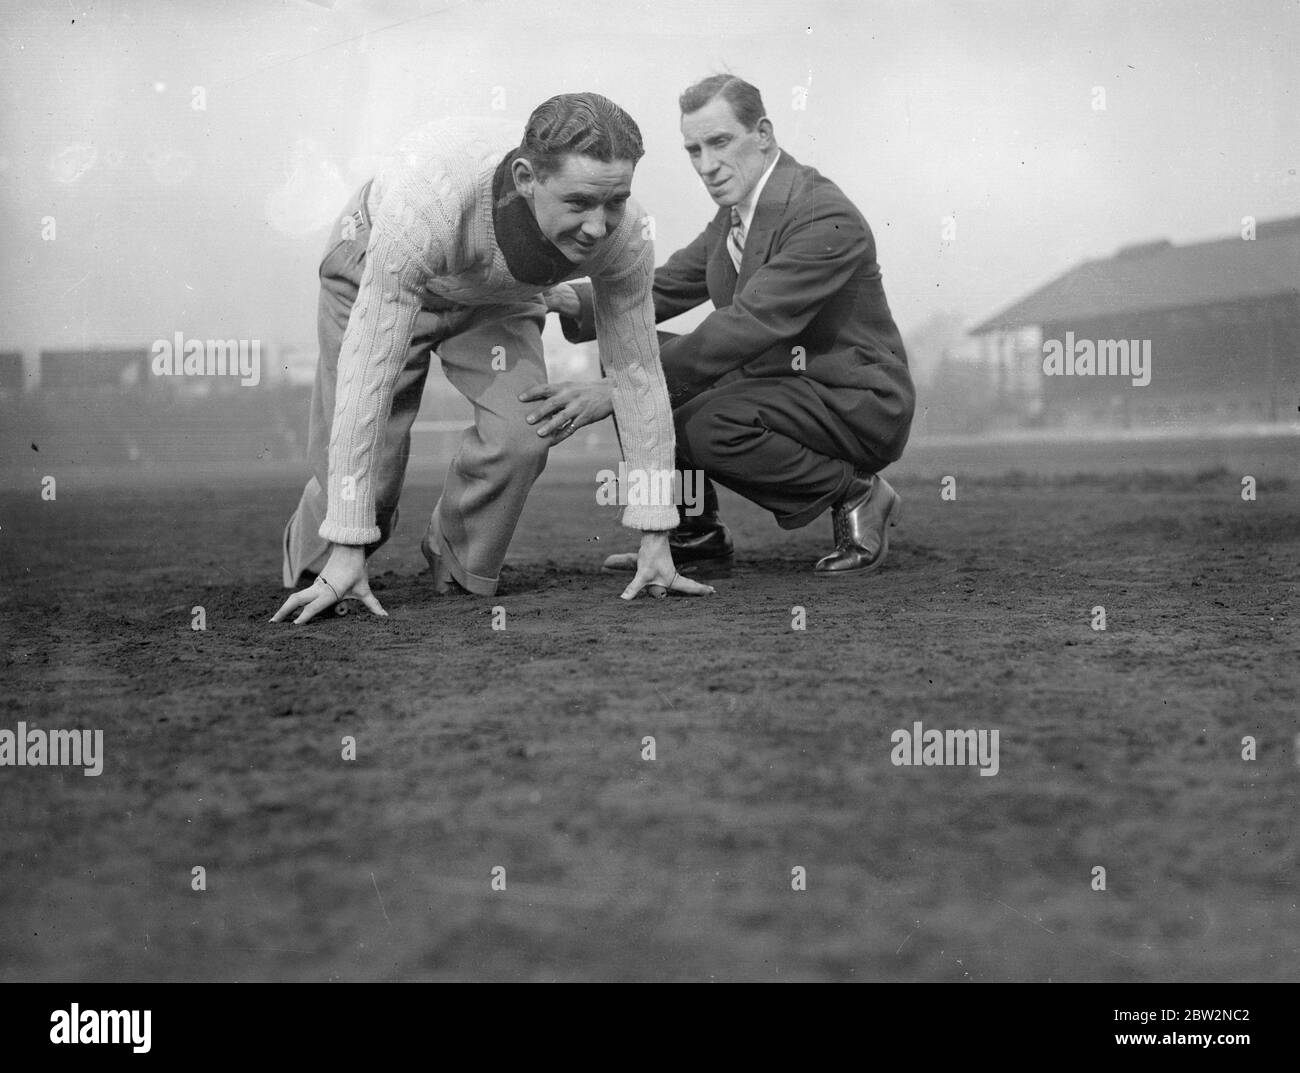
(746, 208)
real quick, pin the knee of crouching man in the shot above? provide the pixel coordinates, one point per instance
(527, 451)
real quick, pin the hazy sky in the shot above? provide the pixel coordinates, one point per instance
(211, 222)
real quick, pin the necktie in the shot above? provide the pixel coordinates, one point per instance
(736, 238)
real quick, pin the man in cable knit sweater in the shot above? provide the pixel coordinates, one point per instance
(448, 249)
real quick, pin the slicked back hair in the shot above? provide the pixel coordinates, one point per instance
(583, 123)
(745, 100)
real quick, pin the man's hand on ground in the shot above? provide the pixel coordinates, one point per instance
(344, 576)
(656, 574)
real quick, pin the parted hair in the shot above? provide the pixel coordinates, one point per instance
(583, 123)
(745, 100)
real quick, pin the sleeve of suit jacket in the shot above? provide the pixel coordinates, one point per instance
(678, 286)
(582, 328)
(815, 252)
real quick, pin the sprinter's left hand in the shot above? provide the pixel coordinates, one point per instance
(656, 574)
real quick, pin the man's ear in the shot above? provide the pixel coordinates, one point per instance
(524, 176)
(766, 133)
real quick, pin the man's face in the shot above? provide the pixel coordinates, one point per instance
(729, 159)
(579, 203)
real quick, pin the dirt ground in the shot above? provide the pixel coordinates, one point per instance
(522, 748)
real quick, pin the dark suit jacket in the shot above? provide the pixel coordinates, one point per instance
(809, 279)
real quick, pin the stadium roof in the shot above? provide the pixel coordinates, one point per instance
(1160, 275)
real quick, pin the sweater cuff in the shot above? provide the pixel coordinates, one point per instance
(339, 534)
(652, 519)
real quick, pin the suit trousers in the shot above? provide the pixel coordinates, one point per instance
(497, 458)
(774, 440)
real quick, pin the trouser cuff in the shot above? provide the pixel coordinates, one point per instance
(475, 583)
(800, 518)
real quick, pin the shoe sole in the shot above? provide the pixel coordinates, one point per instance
(891, 519)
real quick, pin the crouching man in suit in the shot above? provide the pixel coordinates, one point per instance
(794, 392)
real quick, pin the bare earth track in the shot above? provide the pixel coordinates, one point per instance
(522, 748)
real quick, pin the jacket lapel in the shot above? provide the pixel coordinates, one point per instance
(767, 215)
(720, 274)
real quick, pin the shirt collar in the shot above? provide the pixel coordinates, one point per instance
(746, 208)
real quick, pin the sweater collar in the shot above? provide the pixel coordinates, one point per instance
(530, 255)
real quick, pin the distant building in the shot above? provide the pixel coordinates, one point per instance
(12, 380)
(1220, 321)
(94, 371)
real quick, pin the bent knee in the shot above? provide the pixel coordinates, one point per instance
(525, 451)
(711, 436)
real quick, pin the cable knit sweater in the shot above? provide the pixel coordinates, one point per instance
(432, 241)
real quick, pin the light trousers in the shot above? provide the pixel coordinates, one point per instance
(497, 459)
